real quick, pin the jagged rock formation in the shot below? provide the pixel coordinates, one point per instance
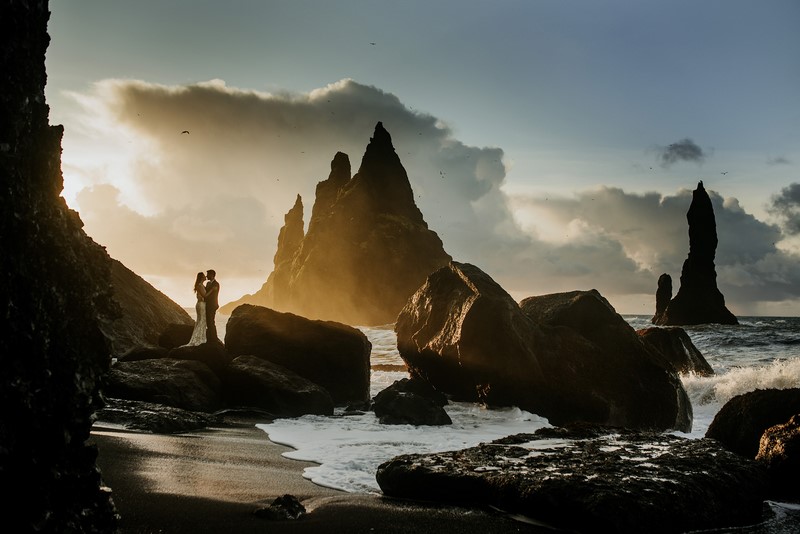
(367, 249)
(698, 300)
(56, 282)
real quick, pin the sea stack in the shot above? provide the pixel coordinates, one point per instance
(698, 301)
(367, 249)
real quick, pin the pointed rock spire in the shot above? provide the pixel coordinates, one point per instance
(367, 249)
(698, 301)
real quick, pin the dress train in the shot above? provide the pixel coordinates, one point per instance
(199, 332)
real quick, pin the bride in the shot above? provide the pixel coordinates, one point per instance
(199, 332)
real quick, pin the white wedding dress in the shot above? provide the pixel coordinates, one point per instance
(199, 332)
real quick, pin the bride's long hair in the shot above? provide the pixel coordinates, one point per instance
(200, 277)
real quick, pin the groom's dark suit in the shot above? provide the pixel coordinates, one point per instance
(212, 303)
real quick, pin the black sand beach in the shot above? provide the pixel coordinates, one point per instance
(213, 480)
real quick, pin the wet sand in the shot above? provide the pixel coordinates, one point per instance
(213, 480)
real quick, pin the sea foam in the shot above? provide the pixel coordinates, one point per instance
(762, 353)
(709, 394)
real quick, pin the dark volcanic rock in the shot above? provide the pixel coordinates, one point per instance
(741, 422)
(779, 451)
(698, 300)
(144, 353)
(175, 335)
(156, 418)
(180, 383)
(252, 381)
(663, 294)
(568, 357)
(55, 284)
(367, 249)
(332, 355)
(146, 312)
(213, 354)
(411, 402)
(282, 508)
(677, 349)
(628, 482)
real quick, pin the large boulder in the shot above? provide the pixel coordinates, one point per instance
(175, 335)
(411, 402)
(183, 384)
(676, 348)
(779, 451)
(213, 354)
(698, 301)
(741, 421)
(367, 248)
(254, 382)
(332, 355)
(620, 481)
(56, 283)
(568, 357)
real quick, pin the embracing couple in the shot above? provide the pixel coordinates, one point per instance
(205, 329)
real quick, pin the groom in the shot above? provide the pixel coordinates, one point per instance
(212, 303)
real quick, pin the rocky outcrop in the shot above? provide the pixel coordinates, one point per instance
(152, 417)
(663, 294)
(676, 348)
(411, 402)
(568, 357)
(184, 384)
(254, 382)
(779, 452)
(698, 300)
(55, 285)
(741, 421)
(145, 312)
(332, 355)
(278, 364)
(619, 482)
(367, 249)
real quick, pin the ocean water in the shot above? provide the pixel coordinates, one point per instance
(761, 352)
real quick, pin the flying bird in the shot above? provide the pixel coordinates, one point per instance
(185, 132)
(726, 172)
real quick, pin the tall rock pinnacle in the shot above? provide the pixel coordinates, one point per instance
(367, 249)
(698, 300)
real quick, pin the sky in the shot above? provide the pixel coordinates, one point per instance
(552, 143)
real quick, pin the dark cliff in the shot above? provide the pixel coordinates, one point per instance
(56, 282)
(367, 249)
(698, 301)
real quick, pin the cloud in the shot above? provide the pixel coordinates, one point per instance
(786, 207)
(644, 235)
(169, 204)
(230, 180)
(683, 150)
(779, 160)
